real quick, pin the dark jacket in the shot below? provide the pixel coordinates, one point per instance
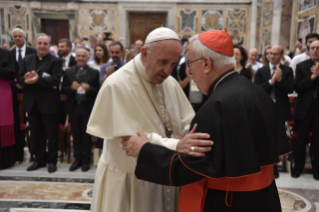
(91, 78)
(46, 90)
(305, 88)
(72, 61)
(28, 51)
(282, 88)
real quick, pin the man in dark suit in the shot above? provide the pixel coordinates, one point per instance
(65, 47)
(81, 85)
(278, 81)
(306, 113)
(21, 50)
(40, 76)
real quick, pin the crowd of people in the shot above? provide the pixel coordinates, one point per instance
(42, 74)
(73, 69)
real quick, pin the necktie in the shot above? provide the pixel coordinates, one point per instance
(273, 70)
(63, 62)
(20, 58)
(272, 93)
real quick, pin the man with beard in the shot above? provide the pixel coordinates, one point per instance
(241, 119)
(116, 50)
(65, 47)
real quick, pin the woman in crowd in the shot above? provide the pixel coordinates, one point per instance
(241, 59)
(266, 55)
(101, 56)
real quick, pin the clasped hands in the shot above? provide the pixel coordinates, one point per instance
(31, 77)
(194, 144)
(76, 85)
(276, 76)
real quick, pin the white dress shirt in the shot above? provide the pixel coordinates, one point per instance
(67, 60)
(23, 49)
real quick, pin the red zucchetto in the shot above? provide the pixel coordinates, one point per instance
(219, 41)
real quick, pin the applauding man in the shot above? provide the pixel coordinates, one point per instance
(81, 85)
(40, 76)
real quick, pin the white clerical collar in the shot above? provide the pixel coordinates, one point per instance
(139, 61)
(22, 48)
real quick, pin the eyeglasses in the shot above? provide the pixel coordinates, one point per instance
(188, 63)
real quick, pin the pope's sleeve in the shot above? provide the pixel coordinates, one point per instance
(160, 165)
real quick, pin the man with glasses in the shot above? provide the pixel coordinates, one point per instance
(278, 81)
(237, 173)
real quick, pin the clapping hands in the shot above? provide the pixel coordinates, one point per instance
(31, 77)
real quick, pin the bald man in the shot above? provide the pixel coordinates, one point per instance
(278, 81)
(253, 64)
(138, 45)
(306, 112)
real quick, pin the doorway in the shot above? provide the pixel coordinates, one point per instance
(57, 29)
(141, 24)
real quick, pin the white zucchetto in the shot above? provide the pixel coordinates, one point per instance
(161, 33)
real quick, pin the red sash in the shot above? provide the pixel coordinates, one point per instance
(192, 197)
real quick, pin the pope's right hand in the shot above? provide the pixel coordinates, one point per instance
(195, 144)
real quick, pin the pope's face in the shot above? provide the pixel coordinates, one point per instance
(162, 59)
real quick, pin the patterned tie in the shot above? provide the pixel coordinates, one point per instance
(20, 58)
(273, 70)
(272, 93)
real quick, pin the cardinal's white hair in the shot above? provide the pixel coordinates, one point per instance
(202, 51)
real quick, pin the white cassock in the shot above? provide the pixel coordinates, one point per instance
(121, 109)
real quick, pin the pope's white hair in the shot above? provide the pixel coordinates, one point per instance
(149, 47)
(19, 30)
(202, 51)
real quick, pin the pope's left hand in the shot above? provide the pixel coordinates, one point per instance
(132, 145)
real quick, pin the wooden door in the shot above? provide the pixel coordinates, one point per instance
(141, 24)
(57, 29)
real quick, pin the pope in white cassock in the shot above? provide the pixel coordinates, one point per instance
(141, 96)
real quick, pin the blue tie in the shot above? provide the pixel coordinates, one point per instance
(20, 58)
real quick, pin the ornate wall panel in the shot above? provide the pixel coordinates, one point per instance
(18, 17)
(212, 20)
(267, 16)
(305, 21)
(3, 36)
(193, 19)
(14, 14)
(187, 20)
(94, 19)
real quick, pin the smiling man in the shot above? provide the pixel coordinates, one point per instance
(141, 95)
(40, 76)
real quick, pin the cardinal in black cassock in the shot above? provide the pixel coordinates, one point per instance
(248, 134)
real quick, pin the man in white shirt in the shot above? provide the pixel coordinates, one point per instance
(252, 64)
(65, 47)
(21, 50)
(304, 56)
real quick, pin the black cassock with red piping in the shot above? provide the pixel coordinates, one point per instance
(236, 175)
